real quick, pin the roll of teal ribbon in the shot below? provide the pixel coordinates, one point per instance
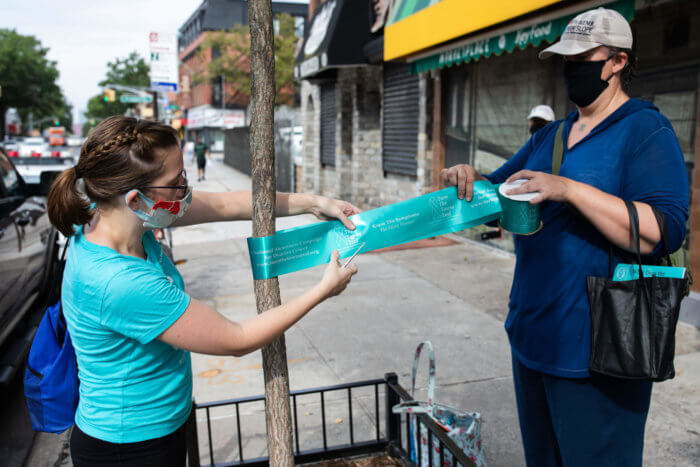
(519, 216)
(426, 216)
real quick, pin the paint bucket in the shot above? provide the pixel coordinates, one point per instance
(519, 216)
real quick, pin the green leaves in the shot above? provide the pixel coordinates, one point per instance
(131, 70)
(227, 55)
(29, 79)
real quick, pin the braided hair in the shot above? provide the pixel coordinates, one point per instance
(120, 153)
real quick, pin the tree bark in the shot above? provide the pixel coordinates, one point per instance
(267, 293)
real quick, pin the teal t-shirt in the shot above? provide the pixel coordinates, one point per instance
(133, 387)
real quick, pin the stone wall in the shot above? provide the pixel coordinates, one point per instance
(358, 175)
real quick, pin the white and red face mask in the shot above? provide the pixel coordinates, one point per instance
(161, 214)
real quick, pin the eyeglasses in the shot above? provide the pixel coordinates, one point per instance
(182, 188)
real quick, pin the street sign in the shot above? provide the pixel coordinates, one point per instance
(132, 99)
(164, 61)
(163, 87)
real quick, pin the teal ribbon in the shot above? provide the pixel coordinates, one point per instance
(426, 216)
(519, 217)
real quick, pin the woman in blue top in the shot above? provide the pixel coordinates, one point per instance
(615, 149)
(130, 320)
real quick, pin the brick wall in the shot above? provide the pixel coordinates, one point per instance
(358, 175)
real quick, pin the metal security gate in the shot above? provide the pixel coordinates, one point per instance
(328, 118)
(400, 119)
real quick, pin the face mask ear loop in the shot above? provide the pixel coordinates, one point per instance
(612, 74)
(126, 195)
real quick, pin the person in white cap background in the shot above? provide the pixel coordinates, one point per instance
(616, 149)
(540, 116)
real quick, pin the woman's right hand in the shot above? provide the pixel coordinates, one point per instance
(337, 277)
(463, 177)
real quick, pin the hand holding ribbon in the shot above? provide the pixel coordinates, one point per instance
(414, 219)
(327, 209)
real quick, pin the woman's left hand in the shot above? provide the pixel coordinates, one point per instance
(550, 187)
(327, 209)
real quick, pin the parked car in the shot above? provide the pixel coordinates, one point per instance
(31, 168)
(34, 146)
(74, 141)
(11, 147)
(29, 248)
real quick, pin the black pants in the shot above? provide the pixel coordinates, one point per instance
(169, 450)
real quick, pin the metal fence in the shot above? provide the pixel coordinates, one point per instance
(237, 153)
(387, 434)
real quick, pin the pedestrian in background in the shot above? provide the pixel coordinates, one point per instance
(201, 150)
(616, 149)
(540, 116)
(130, 320)
(189, 151)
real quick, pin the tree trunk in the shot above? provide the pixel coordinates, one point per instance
(267, 293)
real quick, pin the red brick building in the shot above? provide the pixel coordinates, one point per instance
(211, 107)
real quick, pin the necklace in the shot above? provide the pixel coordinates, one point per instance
(581, 127)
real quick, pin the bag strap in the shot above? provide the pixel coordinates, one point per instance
(558, 151)
(557, 155)
(634, 229)
(60, 319)
(431, 371)
(661, 219)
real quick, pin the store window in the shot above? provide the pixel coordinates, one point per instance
(486, 104)
(458, 92)
(507, 88)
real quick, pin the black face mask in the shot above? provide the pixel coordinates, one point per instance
(582, 81)
(537, 125)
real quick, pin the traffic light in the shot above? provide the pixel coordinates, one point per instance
(110, 95)
(56, 122)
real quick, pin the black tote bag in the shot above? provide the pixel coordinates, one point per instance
(633, 323)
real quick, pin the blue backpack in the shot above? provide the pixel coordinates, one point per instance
(51, 378)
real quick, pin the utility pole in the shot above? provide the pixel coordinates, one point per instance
(155, 105)
(267, 292)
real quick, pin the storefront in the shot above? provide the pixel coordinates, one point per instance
(210, 123)
(488, 80)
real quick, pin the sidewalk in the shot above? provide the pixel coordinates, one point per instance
(456, 296)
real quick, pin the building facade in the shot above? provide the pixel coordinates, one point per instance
(461, 93)
(209, 108)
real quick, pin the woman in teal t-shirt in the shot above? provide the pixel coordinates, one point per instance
(130, 320)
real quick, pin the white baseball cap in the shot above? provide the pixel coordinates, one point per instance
(544, 112)
(592, 29)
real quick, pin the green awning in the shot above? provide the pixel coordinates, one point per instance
(532, 35)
